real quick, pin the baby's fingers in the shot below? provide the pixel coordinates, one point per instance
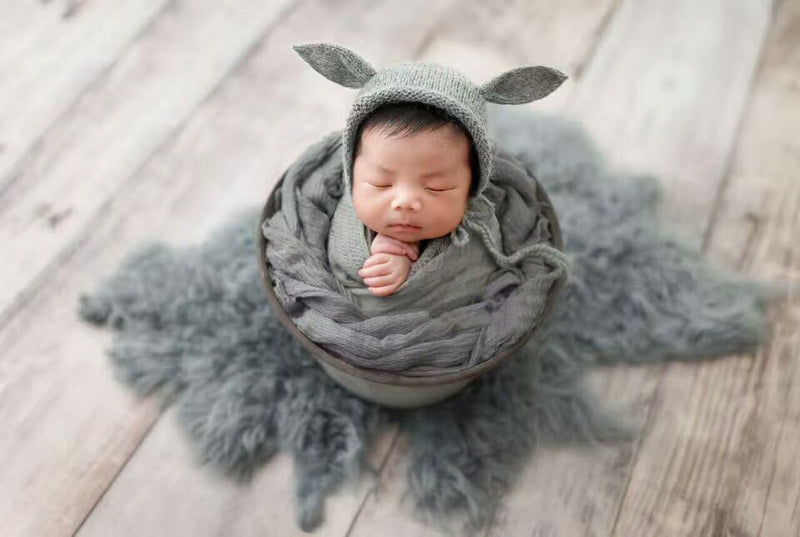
(394, 249)
(412, 252)
(375, 259)
(398, 248)
(375, 270)
(377, 281)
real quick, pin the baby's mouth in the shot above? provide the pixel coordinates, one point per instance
(405, 227)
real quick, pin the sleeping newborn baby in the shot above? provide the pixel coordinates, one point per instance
(412, 177)
(409, 241)
(415, 227)
(414, 170)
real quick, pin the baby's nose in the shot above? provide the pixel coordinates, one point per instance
(406, 200)
(410, 204)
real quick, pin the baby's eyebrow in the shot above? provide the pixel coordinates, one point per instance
(440, 173)
(428, 174)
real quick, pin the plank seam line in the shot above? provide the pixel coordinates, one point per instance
(661, 372)
(773, 466)
(599, 33)
(789, 398)
(371, 492)
(716, 206)
(119, 471)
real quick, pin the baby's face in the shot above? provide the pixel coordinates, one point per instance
(422, 180)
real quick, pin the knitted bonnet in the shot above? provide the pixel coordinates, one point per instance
(434, 84)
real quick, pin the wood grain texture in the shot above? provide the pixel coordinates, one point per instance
(721, 452)
(665, 91)
(227, 156)
(165, 491)
(116, 125)
(50, 53)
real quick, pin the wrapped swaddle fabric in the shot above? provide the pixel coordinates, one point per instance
(461, 306)
(471, 294)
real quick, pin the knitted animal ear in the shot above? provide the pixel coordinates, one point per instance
(336, 63)
(522, 85)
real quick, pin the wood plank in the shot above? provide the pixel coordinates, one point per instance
(68, 428)
(120, 121)
(657, 62)
(721, 457)
(528, 33)
(191, 500)
(50, 52)
(554, 496)
(767, 157)
(55, 384)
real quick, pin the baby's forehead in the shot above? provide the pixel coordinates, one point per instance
(441, 139)
(446, 131)
(429, 152)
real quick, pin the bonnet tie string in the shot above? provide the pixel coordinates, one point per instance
(479, 211)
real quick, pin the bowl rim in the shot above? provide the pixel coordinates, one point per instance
(398, 379)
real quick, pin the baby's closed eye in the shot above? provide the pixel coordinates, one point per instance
(436, 188)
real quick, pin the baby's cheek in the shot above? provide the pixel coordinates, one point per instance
(363, 205)
(454, 213)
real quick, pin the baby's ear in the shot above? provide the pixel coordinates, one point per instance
(336, 63)
(522, 85)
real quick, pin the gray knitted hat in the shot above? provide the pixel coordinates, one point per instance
(433, 84)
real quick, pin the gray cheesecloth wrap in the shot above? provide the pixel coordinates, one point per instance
(466, 299)
(456, 310)
(193, 325)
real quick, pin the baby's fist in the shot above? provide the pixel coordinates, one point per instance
(383, 244)
(385, 273)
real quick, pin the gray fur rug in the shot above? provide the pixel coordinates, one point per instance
(194, 325)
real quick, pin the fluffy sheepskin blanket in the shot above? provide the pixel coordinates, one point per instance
(195, 326)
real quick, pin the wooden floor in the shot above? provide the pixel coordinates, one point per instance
(143, 120)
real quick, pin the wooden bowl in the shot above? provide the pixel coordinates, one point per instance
(395, 389)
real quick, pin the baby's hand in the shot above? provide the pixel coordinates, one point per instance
(385, 273)
(383, 244)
